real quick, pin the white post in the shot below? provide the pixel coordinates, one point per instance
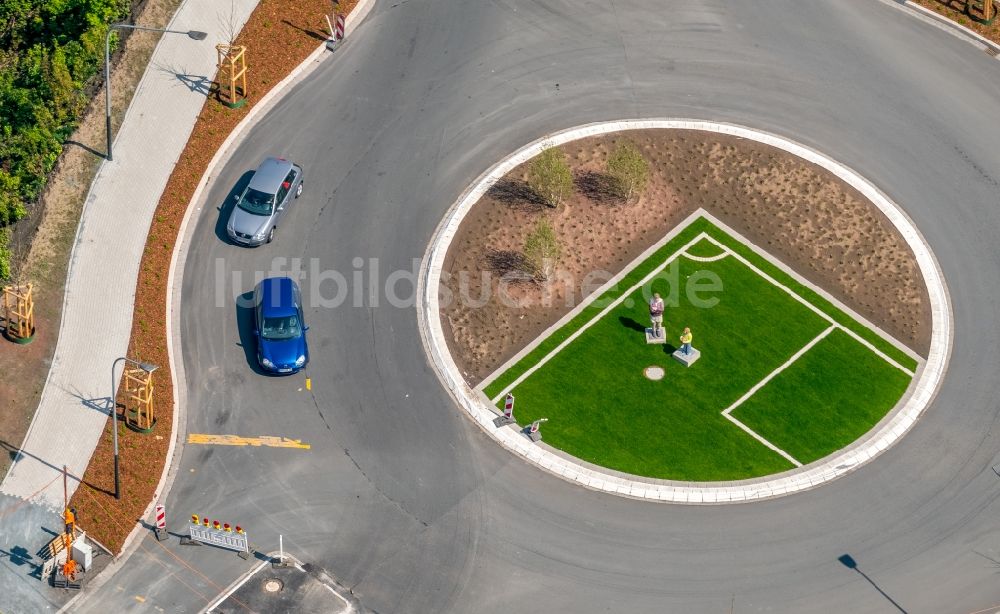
(281, 549)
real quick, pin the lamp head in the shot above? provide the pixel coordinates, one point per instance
(147, 367)
(196, 35)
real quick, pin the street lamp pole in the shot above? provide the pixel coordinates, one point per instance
(193, 34)
(148, 368)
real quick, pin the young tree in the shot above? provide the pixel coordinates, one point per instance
(542, 249)
(550, 176)
(629, 168)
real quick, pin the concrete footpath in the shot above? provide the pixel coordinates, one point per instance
(101, 285)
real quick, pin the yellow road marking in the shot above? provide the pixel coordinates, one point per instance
(309, 383)
(140, 598)
(236, 440)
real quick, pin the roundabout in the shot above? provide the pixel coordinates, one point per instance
(562, 386)
(412, 505)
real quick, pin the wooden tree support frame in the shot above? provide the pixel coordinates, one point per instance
(232, 75)
(981, 11)
(139, 400)
(19, 313)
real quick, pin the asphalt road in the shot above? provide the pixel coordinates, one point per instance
(402, 498)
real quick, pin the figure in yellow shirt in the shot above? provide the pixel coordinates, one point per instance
(686, 338)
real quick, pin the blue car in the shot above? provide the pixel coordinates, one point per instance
(279, 326)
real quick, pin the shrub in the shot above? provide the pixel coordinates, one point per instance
(629, 169)
(5, 275)
(542, 249)
(49, 50)
(550, 176)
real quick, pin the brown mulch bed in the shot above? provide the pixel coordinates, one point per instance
(799, 212)
(279, 35)
(959, 11)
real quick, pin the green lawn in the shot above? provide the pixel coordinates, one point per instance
(704, 249)
(835, 399)
(603, 410)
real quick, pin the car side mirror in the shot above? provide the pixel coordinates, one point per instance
(256, 333)
(236, 198)
(305, 328)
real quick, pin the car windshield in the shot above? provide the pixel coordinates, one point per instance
(278, 329)
(256, 202)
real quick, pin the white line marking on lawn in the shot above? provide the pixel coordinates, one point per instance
(728, 411)
(813, 308)
(854, 315)
(590, 298)
(767, 443)
(705, 258)
(592, 321)
(774, 373)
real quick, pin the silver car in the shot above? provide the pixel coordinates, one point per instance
(264, 202)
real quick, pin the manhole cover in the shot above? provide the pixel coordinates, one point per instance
(654, 373)
(273, 585)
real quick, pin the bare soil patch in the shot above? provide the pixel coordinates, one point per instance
(799, 212)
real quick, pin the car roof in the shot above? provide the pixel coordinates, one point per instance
(277, 297)
(270, 174)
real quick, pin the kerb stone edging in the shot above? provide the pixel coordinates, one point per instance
(940, 21)
(177, 261)
(361, 10)
(871, 445)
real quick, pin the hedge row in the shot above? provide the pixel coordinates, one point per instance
(49, 51)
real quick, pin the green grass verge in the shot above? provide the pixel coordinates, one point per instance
(603, 410)
(835, 399)
(815, 299)
(634, 276)
(704, 249)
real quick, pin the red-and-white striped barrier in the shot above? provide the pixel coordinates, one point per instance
(338, 32)
(508, 406)
(161, 517)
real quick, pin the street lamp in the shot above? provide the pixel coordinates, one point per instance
(193, 34)
(148, 368)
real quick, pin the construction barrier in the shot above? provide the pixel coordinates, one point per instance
(508, 406)
(219, 534)
(338, 33)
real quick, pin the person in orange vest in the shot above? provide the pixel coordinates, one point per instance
(686, 338)
(70, 518)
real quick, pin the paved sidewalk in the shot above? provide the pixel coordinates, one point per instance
(100, 291)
